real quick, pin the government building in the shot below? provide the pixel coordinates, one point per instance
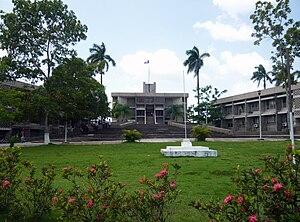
(242, 112)
(149, 107)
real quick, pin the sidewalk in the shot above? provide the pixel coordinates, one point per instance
(152, 140)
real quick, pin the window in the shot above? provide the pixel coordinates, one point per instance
(140, 112)
(271, 119)
(270, 104)
(159, 112)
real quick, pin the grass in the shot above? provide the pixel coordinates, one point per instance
(200, 178)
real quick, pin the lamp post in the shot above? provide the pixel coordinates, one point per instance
(259, 109)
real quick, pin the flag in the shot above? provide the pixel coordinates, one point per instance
(147, 62)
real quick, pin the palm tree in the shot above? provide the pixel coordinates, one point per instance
(121, 111)
(261, 74)
(100, 59)
(195, 63)
(175, 111)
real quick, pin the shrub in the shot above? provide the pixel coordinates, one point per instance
(271, 194)
(131, 135)
(200, 133)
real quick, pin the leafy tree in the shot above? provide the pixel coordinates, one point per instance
(75, 93)
(195, 63)
(100, 59)
(175, 111)
(261, 75)
(36, 36)
(11, 104)
(207, 109)
(271, 21)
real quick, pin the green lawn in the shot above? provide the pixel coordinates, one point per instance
(200, 178)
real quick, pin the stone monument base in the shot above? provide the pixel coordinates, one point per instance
(188, 150)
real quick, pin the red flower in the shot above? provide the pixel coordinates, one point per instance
(54, 200)
(252, 218)
(277, 186)
(274, 180)
(264, 187)
(228, 199)
(287, 193)
(161, 174)
(5, 183)
(173, 185)
(93, 170)
(71, 200)
(65, 168)
(90, 189)
(104, 207)
(90, 203)
(258, 171)
(240, 199)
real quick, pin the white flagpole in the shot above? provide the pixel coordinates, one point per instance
(148, 72)
(184, 107)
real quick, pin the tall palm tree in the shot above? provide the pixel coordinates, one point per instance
(195, 63)
(261, 74)
(100, 59)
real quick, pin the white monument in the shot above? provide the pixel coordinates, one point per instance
(188, 150)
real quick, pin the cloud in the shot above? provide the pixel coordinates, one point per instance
(2, 53)
(226, 32)
(235, 7)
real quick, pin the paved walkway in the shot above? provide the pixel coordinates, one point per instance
(159, 140)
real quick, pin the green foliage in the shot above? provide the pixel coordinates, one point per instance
(91, 196)
(131, 135)
(261, 75)
(121, 111)
(175, 111)
(270, 194)
(200, 133)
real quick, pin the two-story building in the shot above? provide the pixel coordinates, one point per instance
(243, 112)
(149, 107)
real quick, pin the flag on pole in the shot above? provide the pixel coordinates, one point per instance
(147, 62)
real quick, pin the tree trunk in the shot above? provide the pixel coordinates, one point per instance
(198, 98)
(46, 131)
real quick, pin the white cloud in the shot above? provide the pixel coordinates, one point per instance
(2, 53)
(236, 7)
(226, 32)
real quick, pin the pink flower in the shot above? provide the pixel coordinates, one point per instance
(228, 199)
(252, 218)
(156, 196)
(287, 193)
(173, 185)
(65, 168)
(240, 199)
(258, 171)
(5, 183)
(90, 189)
(90, 203)
(277, 186)
(54, 200)
(71, 200)
(104, 207)
(161, 174)
(93, 170)
(274, 180)
(103, 196)
(264, 187)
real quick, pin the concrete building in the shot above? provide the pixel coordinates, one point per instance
(242, 112)
(149, 107)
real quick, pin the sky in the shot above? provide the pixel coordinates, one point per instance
(161, 31)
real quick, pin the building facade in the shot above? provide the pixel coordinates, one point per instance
(242, 112)
(149, 107)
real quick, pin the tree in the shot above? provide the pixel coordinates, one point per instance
(271, 21)
(208, 111)
(75, 93)
(195, 63)
(175, 111)
(36, 39)
(261, 74)
(100, 59)
(121, 111)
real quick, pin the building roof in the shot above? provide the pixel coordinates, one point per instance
(251, 95)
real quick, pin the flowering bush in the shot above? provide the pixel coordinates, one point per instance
(92, 195)
(263, 195)
(154, 202)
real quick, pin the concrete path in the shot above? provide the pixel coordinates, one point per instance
(157, 140)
